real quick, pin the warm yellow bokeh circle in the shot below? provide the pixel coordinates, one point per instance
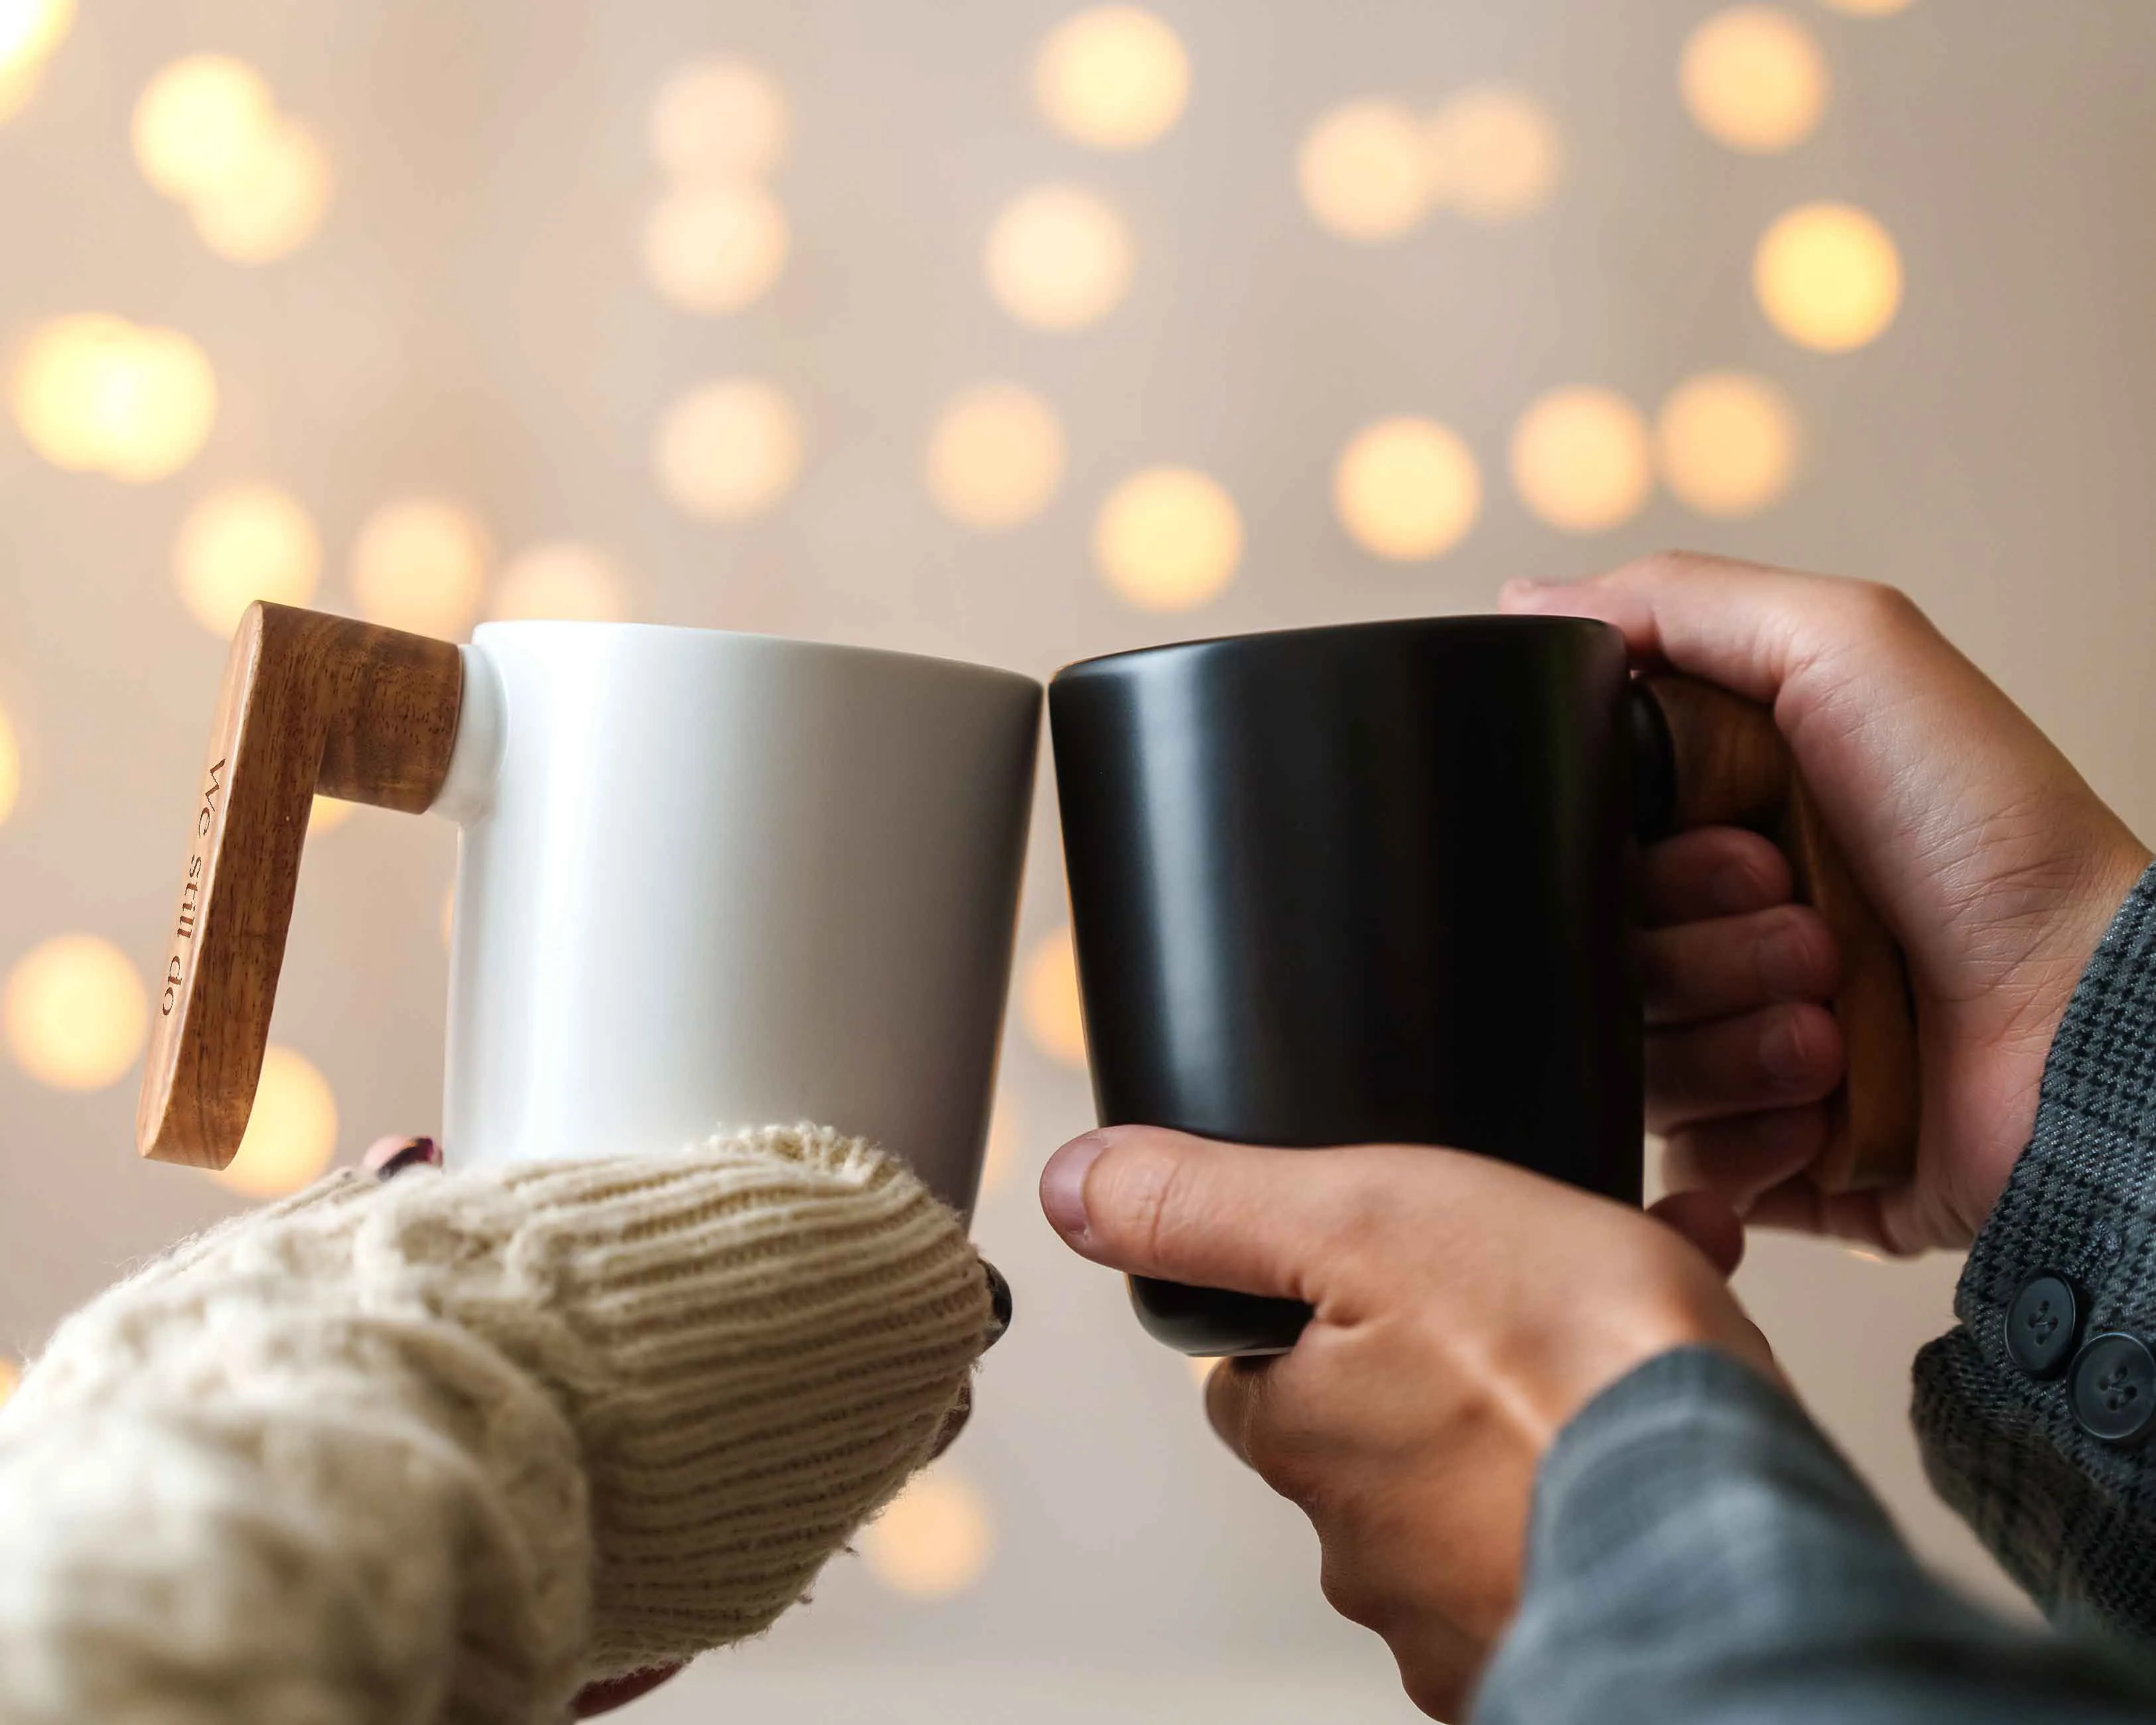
(1363, 170)
(1580, 459)
(1493, 154)
(1047, 1003)
(241, 544)
(97, 394)
(1114, 77)
(1407, 488)
(30, 30)
(1727, 443)
(730, 450)
(1828, 276)
(1752, 78)
(75, 1012)
(995, 457)
(1059, 258)
(272, 204)
(563, 580)
(1167, 539)
(714, 248)
(198, 122)
(420, 564)
(292, 1132)
(1868, 9)
(935, 1539)
(718, 120)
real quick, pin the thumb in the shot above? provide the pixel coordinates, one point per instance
(1751, 628)
(1152, 1202)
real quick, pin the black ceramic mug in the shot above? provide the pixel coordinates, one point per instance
(1371, 883)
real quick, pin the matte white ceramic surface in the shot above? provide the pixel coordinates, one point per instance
(708, 881)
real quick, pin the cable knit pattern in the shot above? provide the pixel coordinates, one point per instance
(438, 1452)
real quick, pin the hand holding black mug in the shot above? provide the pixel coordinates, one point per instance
(1371, 884)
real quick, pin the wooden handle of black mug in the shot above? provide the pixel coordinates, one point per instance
(310, 703)
(1730, 767)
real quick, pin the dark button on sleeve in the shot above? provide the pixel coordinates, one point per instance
(2112, 1388)
(2042, 1325)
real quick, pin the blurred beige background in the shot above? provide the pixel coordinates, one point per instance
(683, 297)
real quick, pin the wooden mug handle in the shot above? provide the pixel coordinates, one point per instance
(1713, 758)
(310, 703)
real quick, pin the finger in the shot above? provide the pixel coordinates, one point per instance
(1739, 1158)
(598, 1698)
(1799, 1206)
(1707, 1223)
(1734, 964)
(954, 1422)
(386, 1158)
(1235, 1393)
(1711, 871)
(1152, 1202)
(1745, 626)
(1778, 1057)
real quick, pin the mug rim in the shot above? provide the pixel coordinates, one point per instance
(757, 640)
(1504, 623)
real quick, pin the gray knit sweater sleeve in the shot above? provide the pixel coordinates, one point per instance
(2072, 1519)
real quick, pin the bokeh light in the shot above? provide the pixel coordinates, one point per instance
(1167, 539)
(95, 393)
(1752, 77)
(1114, 77)
(1868, 9)
(719, 119)
(1493, 154)
(1200, 1370)
(291, 1133)
(561, 579)
(9, 1377)
(241, 544)
(1727, 443)
(1048, 1004)
(1407, 488)
(199, 122)
(31, 30)
(729, 449)
(272, 204)
(17, 85)
(325, 815)
(1580, 458)
(1363, 170)
(418, 564)
(75, 1012)
(1828, 277)
(11, 767)
(715, 248)
(995, 457)
(1059, 258)
(935, 1539)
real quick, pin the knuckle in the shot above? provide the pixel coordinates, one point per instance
(1137, 1195)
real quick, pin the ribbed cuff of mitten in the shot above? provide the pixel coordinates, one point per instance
(445, 1449)
(2000, 1446)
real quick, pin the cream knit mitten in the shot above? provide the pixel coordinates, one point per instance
(440, 1451)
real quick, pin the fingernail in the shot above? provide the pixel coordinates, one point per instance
(1732, 889)
(1782, 1050)
(387, 1158)
(1784, 958)
(1063, 1184)
(999, 1302)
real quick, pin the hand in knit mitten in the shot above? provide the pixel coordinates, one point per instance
(445, 1449)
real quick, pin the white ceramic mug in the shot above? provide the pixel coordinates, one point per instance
(704, 881)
